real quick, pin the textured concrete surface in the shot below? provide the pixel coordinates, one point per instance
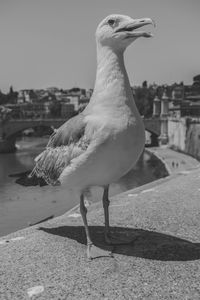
(175, 162)
(162, 260)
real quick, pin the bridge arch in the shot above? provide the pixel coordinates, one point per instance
(15, 133)
(9, 130)
(152, 125)
(13, 127)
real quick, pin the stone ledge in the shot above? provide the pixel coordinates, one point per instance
(162, 260)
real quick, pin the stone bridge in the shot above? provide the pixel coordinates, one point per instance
(10, 129)
(14, 126)
(153, 125)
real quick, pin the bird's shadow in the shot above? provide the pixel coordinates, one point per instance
(143, 243)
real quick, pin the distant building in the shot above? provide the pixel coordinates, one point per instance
(67, 110)
(178, 92)
(36, 110)
(40, 95)
(185, 100)
(16, 112)
(196, 84)
(83, 100)
(72, 96)
(29, 110)
(23, 96)
(75, 101)
(26, 96)
(82, 103)
(52, 90)
(62, 97)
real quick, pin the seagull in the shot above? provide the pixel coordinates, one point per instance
(104, 141)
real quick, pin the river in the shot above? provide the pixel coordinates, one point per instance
(20, 206)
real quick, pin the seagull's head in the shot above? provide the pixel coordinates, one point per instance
(119, 31)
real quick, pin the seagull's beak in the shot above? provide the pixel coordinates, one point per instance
(130, 28)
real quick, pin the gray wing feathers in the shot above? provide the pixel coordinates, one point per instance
(69, 132)
(65, 144)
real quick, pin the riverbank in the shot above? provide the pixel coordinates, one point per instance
(162, 260)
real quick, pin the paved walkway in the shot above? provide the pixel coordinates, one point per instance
(175, 162)
(162, 260)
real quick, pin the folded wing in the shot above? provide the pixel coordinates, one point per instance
(66, 143)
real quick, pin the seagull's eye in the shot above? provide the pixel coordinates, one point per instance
(111, 22)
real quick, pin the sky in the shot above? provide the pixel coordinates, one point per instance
(46, 43)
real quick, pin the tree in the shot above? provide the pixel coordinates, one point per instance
(11, 97)
(11, 90)
(144, 84)
(144, 99)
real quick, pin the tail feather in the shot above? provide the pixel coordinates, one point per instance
(25, 180)
(50, 164)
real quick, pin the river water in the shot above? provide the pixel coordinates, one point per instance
(20, 206)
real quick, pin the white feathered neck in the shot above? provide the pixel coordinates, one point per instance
(112, 87)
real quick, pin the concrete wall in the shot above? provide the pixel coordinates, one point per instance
(192, 145)
(184, 135)
(177, 133)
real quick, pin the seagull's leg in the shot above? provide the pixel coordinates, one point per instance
(112, 240)
(92, 250)
(106, 203)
